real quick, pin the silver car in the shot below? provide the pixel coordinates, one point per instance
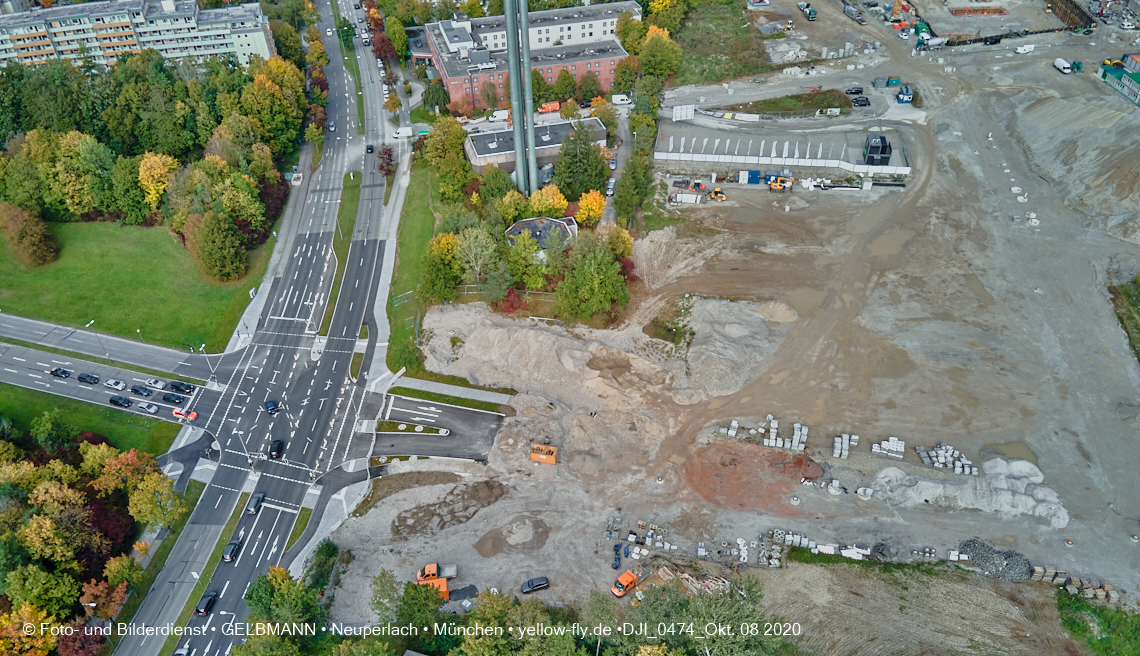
(155, 383)
(148, 408)
(610, 186)
(115, 384)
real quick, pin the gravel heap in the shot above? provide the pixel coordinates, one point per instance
(1006, 565)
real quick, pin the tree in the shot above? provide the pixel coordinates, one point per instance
(385, 599)
(107, 599)
(383, 49)
(473, 9)
(490, 609)
(317, 56)
(437, 279)
(496, 184)
(50, 431)
(155, 503)
(15, 640)
(499, 280)
(594, 284)
(475, 253)
(569, 108)
(564, 86)
(392, 103)
(276, 99)
(55, 593)
(266, 645)
(154, 176)
(128, 197)
(217, 246)
(386, 161)
(618, 241)
(555, 249)
(444, 245)
(580, 166)
(522, 257)
(77, 642)
(55, 498)
(419, 606)
(591, 206)
(548, 201)
(123, 569)
(659, 56)
(667, 14)
(95, 457)
(454, 174)
(589, 87)
(395, 31)
(630, 31)
(647, 95)
(625, 75)
(540, 90)
(436, 96)
(645, 130)
(82, 172)
(119, 470)
(288, 42)
(446, 137)
(363, 648)
(315, 134)
(28, 236)
(625, 196)
(45, 539)
(605, 112)
(513, 206)
(278, 597)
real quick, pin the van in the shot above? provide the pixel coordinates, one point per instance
(620, 99)
(1062, 65)
(500, 115)
(403, 133)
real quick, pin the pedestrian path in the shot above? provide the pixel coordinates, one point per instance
(453, 390)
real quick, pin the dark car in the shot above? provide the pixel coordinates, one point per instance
(276, 448)
(173, 398)
(586, 105)
(369, 148)
(121, 401)
(861, 101)
(356, 5)
(272, 407)
(60, 373)
(206, 603)
(992, 40)
(254, 504)
(181, 387)
(90, 379)
(140, 390)
(231, 551)
(854, 91)
(541, 583)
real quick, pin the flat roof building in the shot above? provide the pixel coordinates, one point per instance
(498, 147)
(106, 29)
(540, 228)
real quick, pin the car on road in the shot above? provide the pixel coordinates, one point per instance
(155, 384)
(254, 504)
(121, 401)
(369, 148)
(534, 585)
(140, 390)
(90, 379)
(586, 104)
(861, 101)
(356, 5)
(903, 35)
(206, 603)
(181, 387)
(276, 448)
(231, 551)
(854, 91)
(59, 372)
(182, 651)
(115, 384)
(328, 32)
(148, 408)
(613, 163)
(173, 398)
(272, 407)
(610, 184)
(332, 126)
(188, 415)
(359, 19)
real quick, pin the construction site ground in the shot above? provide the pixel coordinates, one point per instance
(970, 307)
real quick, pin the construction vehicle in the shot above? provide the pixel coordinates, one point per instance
(1048, 8)
(697, 186)
(549, 107)
(1062, 65)
(780, 184)
(437, 577)
(717, 195)
(627, 581)
(897, 10)
(806, 10)
(814, 89)
(1114, 64)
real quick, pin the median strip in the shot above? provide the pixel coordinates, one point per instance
(346, 223)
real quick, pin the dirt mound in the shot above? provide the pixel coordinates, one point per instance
(458, 506)
(662, 257)
(524, 534)
(777, 311)
(746, 476)
(731, 341)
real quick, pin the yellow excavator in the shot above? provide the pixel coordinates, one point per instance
(1114, 64)
(717, 195)
(897, 10)
(780, 184)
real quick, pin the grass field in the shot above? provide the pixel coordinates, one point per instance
(298, 527)
(125, 430)
(798, 102)
(1107, 631)
(346, 219)
(158, 559)
(99, 360)
(128, 278)
(737, 51)
(421, 115)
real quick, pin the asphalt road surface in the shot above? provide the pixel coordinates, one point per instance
(472, 432)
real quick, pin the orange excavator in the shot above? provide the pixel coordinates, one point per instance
(780, 184)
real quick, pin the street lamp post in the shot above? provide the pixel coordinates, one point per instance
(100, 340)
(139, 332)
(213, 371)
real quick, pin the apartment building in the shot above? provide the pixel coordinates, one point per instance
(109, 28)
(471, 53)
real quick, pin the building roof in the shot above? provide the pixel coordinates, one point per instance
(417, 41)
(540, 228)
(546, 135)
(555, 16)
(454, 67)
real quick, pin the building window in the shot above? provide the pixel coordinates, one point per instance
(571, 68)
(548, 70)
(587, 65)
(591, 34)
(549, 79)
(500, 85)
(612, 62)
(591, 26)
(560, 29)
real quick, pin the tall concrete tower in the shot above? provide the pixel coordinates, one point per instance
(517, 15)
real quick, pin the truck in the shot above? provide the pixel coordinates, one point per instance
(1021, 50)
(437, 576)
(500, 115)
(552, 106)
(627, 581)
(402, 133)
(854, 14)
(1062, 65)
(806, 10)
(936, 43)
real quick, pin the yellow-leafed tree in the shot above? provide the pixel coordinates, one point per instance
(548, 201)
(590, 208)
(154, 176)
(15, 640)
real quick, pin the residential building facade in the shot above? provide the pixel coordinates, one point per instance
(106, 29)
(470, 54)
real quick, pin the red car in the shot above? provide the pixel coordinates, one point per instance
(188, 415)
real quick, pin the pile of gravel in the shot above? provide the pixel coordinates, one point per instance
(1006, 565)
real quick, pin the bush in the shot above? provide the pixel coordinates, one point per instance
(407, 357)
(28, 236)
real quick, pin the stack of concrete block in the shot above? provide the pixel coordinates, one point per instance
(799, 437)
(797, 442)
(733, 427)
(1059, 578)
(842, 445)
(892, 448)
(1043, 574)
(944, 456)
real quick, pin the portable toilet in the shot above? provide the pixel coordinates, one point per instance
(754, 177)
(905, 94)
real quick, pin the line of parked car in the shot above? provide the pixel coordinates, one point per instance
(175, 396)
(859, 100)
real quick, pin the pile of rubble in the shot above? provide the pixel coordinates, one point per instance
(1005, 565)
(703, 585)
(785, 51)
(945, 456)
(763, 551)
(891, 448)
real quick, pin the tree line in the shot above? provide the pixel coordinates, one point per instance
(70, 508)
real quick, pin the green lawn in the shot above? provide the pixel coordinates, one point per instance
(798, 102)
(421, 115)
(348, 53)
(298, 527)
(128, 278)
(346, 219)
(1107, 631)
(737, 51)
(158, 559)
(204, 580)
(125, 430)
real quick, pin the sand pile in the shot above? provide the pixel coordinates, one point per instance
(1009, 488)
(662, 257)
(730, 343)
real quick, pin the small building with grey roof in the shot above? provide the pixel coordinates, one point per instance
(498, 147)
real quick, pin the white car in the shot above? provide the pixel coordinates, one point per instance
(1127, 25)
(149, 408)
(115, 384)
(155, 383)
(328, 32)
(904, 36)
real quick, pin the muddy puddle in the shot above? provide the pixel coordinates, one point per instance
(1013, 450)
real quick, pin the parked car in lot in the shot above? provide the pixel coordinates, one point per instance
(861, 101)
(148, 408)
(206, 603)
(231, 551)
(254, 504)
(173, 398)
(613, 163)
(181, 387)
(534, 585)
(115, 384)
(121, 401)
(854, 91)
(59, 372)
(188, 415)
(140, 390)
(90, 379)
(155, 383)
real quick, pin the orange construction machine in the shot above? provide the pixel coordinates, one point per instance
(437, 575)
(552, 106)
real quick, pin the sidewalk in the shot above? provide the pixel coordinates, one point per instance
(453, 390)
